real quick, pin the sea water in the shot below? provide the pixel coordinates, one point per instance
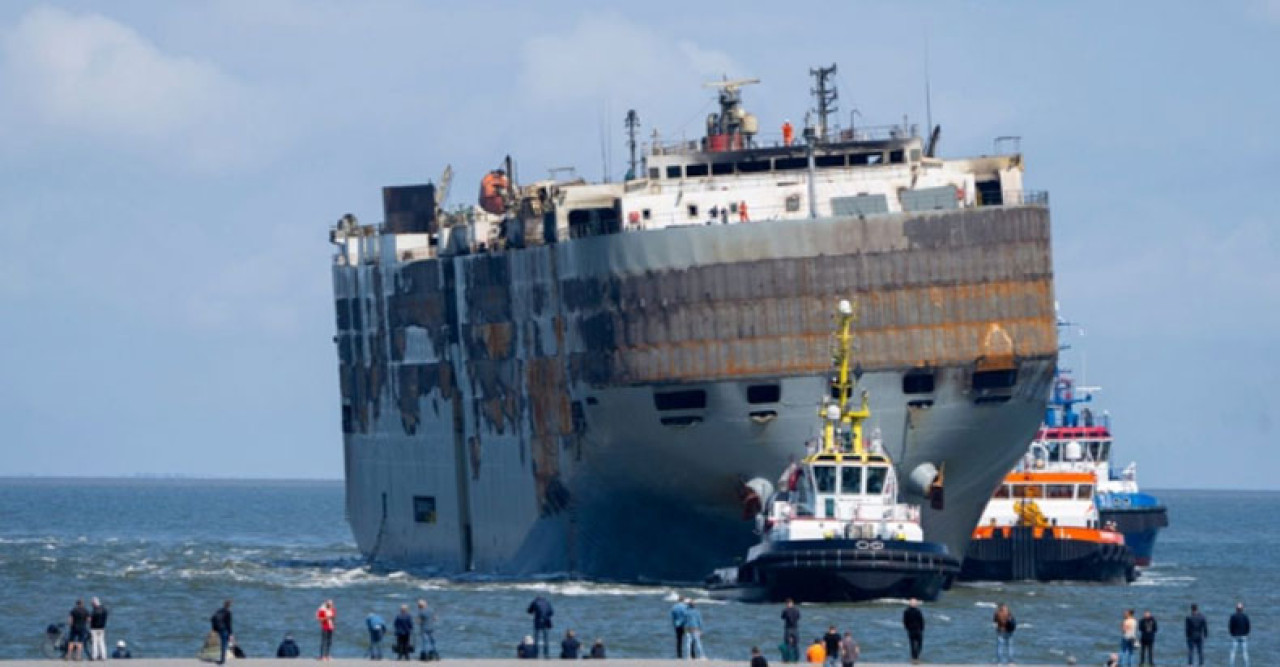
(163, 554)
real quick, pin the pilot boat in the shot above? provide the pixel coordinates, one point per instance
(1041, 524)
(834, 531)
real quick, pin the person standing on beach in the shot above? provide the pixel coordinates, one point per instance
(326, 615)
(221, 624)
(848, 650)
(403, 626)
(1128, 638)
(78, 631)
(1197, 632)
(1147, 629)
(377, 629)
(1005, 624)
(542, 613)
(427, 631)
(791, 631)
(1239, 629)
(679, 612)
(831, 643)
(693, 632)
(98, 630)
(913, 623)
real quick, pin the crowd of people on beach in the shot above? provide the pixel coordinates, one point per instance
(86, 625)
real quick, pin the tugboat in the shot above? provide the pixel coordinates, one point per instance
(1042, 525)
(1076, 441)
(834, 531)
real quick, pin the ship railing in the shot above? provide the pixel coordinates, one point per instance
(833, 135)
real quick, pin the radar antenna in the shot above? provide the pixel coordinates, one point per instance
(733, 124)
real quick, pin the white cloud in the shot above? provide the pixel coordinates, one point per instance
(610, 59)
(85, 76)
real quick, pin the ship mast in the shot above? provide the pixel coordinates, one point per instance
(836, 410)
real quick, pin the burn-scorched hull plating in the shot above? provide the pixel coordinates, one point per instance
(561, 408)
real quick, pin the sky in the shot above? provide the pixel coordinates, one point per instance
(169, 172)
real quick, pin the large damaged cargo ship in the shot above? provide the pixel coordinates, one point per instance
(592, 378)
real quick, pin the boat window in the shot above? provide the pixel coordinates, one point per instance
(1058, 491)
(996, 379)
(754, 167)
(1028, 491)
(1106, 452)
(1084, 491)
(829, 161)
(896, 157)
(693, 210)
(692, 170)
(851, 479)
(1002, 491)
(825, 478)
(876, 477)
(1055, 450)
(673, 171)
(721, 168)
(790, 163)
(654, 173)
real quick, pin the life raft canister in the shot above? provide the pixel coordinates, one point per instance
(493, 188)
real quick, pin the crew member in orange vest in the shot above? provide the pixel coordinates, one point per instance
(742, 212)
(788, 133)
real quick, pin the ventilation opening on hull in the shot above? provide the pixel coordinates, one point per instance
(688, 399)
(424, 509)
(988, 400)
(920, 404)
(764, 393)
(918, 382)
(996, 379)
(681, 422)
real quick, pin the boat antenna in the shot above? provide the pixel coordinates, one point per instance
(633, 124)
(842, 385)
(825, 96)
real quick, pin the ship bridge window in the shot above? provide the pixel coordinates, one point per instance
(594, 222)
(829, 161)
(721, 168)
(1002, 491)
(825, 478)
(689, 399)
(1028, 491)
(654, 173)
(673, 171)
(1060, 491)
(865, 159)
(790, 163)
(764, 393)
(917, 382)
(1084, 491)
(851, 479)
(876, 477)
(424, 509)
(754, 167)
(692, 170)
(897, 157)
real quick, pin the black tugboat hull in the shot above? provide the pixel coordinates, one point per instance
(844, 571)
(1023, 557)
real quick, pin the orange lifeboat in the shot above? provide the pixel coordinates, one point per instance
(493, 190)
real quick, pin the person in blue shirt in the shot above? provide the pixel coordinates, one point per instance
(693, 632)
(542, 613)
(679, 611)
(377, 628)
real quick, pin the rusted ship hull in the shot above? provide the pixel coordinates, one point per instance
(562, 408)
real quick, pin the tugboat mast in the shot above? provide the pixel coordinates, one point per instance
(842, 384)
